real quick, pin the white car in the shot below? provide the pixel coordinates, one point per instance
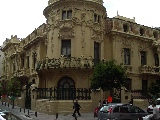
(150, 108)
(148, 117)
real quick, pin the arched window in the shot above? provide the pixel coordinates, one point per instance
(66, 89)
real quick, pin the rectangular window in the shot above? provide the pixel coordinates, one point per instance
(126, 56)
(97, 18)
(22, 62)
(144, 85)
(128, 84)
(96, 52)
(143, 58)
(156, 59)
(66, 14)
(66, 48)
(27, 62)
(63, 15)
(14, 67)
(34, 60)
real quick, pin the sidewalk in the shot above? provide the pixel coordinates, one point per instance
(41, 116)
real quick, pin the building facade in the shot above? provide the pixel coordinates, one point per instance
(1, 59)
(59, 56)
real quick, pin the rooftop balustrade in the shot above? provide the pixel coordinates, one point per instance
(96, 1)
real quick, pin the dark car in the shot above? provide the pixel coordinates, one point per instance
(119, 111)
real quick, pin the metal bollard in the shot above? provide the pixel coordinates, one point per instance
(8, 104)
(5, 103)
(20, 109)
(36, 114)
(2, 102)
(28, 112)
(24, 110)
(56, 115)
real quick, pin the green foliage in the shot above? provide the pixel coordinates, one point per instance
(154, 89)
(3, 87)
(13, 85)
(108, 75)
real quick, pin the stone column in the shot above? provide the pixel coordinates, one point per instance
(96, 96)
(23, 97)
(33, 97)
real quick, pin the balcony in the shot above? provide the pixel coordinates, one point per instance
(128, 68)
(63, 62)
(149, 69)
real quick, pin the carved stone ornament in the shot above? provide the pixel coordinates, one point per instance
(118, 25)
(126, 42)
(143, 46)
(135, 29)
(97, 36)
(66, 31)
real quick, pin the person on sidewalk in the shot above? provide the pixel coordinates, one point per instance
(155, 112)
(99, 105)
(76, 108)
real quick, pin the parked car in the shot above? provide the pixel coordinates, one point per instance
(148, 117)
(119, 111)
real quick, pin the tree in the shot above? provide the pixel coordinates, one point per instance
(154, 89)
(13, 85)
(108, 75)
(3, 87)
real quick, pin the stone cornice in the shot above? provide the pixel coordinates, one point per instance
(129, 35)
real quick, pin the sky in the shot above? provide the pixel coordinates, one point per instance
(21, 17)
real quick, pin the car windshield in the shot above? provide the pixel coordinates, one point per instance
(135, 109)
(104, 109)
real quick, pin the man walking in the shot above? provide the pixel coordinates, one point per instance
(76, 108)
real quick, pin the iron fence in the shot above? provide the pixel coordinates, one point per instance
(63, 93)
(140, 94)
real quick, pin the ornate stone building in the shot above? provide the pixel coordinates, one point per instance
(1, 59)
(58, 57)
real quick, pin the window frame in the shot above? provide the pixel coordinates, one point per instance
(127, 56)
(144, 85)
(97, 18)
(66, 45)
(66, 14)
(143, 58)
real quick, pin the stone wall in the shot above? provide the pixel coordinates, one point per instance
(142, 103)
(61, 106)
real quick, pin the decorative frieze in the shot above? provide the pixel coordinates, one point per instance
(63, 62)
(149, 69)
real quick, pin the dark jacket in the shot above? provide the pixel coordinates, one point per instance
(76, 106)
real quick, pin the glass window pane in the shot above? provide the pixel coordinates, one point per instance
(66, 48)
(69, 14)
(64, 52)
(126, 56)
(95, 18)
(63, 15)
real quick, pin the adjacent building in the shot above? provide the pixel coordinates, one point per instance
(58, 57)
(1, 59)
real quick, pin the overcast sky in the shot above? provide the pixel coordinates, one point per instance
(21, 17)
